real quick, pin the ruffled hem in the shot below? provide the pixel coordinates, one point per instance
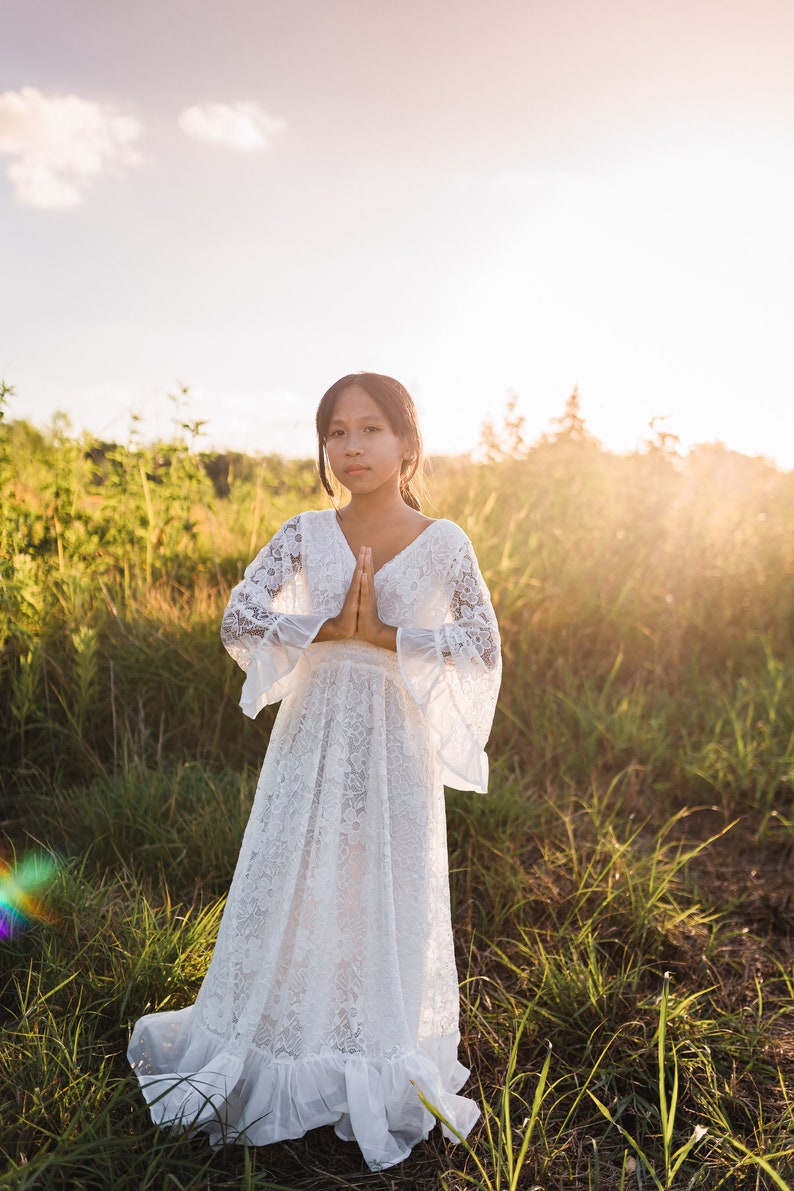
(190, 1082)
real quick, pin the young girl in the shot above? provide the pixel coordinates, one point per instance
(332, 994)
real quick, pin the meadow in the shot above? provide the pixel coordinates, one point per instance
(622, 898)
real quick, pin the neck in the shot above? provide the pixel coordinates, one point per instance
(374, 507)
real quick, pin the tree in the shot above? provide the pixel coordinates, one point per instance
(571, 425)
(507, 440)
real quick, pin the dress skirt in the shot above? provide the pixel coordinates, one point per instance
(332, 995)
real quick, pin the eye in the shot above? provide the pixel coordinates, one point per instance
(334, 434)
(372, 427)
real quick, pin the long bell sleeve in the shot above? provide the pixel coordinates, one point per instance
(453, 673)
(268, 621)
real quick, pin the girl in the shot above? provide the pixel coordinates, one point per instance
(332, 993)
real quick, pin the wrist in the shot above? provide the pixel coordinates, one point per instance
(385, 637)
(332, 630)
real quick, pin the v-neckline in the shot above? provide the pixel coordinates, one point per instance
(398, 553)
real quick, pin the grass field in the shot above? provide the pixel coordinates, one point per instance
(622, 898)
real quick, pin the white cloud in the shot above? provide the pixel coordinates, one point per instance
(237, 125)
(60, 144)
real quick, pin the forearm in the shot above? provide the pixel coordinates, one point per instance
(385, 637)
(382, 635)
(330, 630)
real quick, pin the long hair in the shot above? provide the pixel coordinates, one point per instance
(397, 406)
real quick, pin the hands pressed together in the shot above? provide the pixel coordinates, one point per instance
(358, 616)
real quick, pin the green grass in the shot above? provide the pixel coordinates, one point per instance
(611, 1012)
(621, 898)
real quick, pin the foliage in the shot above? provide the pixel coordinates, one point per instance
(646, 606)
(621, 898)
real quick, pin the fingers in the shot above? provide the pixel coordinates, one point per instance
(346, 620)
(370, 627)
(355, 583)
(368, 620)
(367, 593)
(358, 577)
(359, 614)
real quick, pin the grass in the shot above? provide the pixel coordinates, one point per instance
(621, 898)
(611, 1017)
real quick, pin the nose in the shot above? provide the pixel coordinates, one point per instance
(352, 447)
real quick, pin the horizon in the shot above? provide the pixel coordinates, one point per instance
(672, 449)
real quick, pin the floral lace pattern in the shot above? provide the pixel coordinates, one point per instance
(333, 981)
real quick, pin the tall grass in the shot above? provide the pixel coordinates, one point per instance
(646, 606)
(621, 898)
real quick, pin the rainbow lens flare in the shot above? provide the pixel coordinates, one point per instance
(22, 892)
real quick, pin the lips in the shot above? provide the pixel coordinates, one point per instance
(356, 469)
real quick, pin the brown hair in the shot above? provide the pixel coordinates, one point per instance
(397, 406)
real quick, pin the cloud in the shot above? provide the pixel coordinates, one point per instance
(237, 125)
(60, 144)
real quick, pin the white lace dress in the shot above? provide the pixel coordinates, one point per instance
(332, 993)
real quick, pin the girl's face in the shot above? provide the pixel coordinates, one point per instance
(364, 452)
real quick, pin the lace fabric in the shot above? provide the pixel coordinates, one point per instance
(332, 992)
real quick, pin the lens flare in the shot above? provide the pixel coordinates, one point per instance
(23, 888)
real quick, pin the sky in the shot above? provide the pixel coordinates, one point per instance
(483, 198)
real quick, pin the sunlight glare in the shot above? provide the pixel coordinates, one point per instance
(659, 285)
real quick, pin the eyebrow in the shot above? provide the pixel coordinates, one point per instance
(335, 421)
